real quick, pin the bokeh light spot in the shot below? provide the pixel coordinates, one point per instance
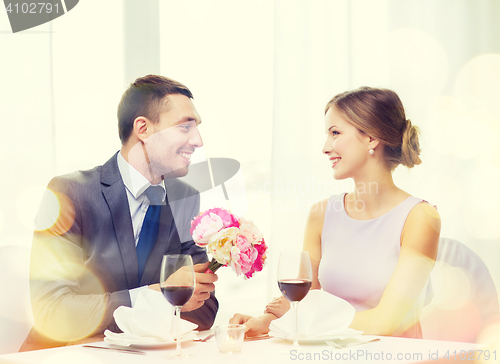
(71, 316)
(27, 205)
(489, 335)
(481, 209)
(445, 192)
(458, 324)
(465, 136)
(463, 128)
(56, 215)
(480, 78)
(50, 213)
(438, 125)
(417, 63)
(453, 286)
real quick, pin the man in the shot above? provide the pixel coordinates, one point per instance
(88, 254)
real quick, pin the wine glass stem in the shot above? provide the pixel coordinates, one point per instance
(178, 327)
(295, 319)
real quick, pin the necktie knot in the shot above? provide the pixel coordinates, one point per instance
(155, 195)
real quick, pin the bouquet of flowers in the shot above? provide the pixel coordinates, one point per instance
(230, 241)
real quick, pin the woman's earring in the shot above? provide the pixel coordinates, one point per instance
(371, 151)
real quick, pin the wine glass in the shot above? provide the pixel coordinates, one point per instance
(177, 283)
(294, 281)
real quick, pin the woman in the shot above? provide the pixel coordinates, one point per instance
(375, 246)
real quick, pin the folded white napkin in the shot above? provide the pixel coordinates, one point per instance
(320, 314)
(149, 322)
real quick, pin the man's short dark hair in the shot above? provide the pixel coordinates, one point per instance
(146, 97)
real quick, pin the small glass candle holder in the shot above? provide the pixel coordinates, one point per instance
(229, 338)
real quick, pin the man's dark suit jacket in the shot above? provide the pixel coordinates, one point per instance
(83, 266)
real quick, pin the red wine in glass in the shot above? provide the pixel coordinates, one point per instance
(177, 295)
(294, 289)
(177, 282)
(294, 280)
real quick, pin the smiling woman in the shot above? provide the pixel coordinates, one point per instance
(378, 115)
(373, 123)
(373, 248)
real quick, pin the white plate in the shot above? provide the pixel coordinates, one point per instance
(318, 339)
(149, 344)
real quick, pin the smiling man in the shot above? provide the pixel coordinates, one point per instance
(111, 230)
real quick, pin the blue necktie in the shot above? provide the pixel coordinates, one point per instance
(150, 227)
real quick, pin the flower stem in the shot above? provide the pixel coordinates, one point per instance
(214, 265)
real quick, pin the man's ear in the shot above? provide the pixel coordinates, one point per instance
(140, 128)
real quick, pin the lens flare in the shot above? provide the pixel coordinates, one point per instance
(452, 314)
(56, 214)
(453, 286)
(445, 192)
(75, 310)
(463, 128)
(481, 210)
(489, 335)
(418, 65)
(451, 324)
(475, 139)
(25, 208)
(438, 125)
(14, 264)
(479, 79)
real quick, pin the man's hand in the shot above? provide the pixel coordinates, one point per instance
(155, 287)
(204, 284)
(253, 325)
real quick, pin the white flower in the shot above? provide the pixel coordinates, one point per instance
(221, 243)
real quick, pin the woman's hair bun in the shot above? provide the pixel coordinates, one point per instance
(410, 148)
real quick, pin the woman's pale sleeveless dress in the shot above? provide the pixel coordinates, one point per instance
(358, 257)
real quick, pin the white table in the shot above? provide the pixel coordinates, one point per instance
(388, 349)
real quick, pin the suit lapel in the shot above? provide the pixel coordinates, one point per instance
(115, 195)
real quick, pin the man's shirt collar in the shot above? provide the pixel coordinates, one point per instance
(134, 181)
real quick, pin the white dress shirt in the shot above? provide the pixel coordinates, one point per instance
(135, 185)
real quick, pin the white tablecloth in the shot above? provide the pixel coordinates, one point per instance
(388, 349)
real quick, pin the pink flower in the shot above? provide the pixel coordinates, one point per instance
(207, 226)
(243, 254)
(228, 219)
(258, 263)
(250, 231)
(210, 222)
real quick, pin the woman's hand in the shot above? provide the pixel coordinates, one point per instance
(254, 325)
(278, 306)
